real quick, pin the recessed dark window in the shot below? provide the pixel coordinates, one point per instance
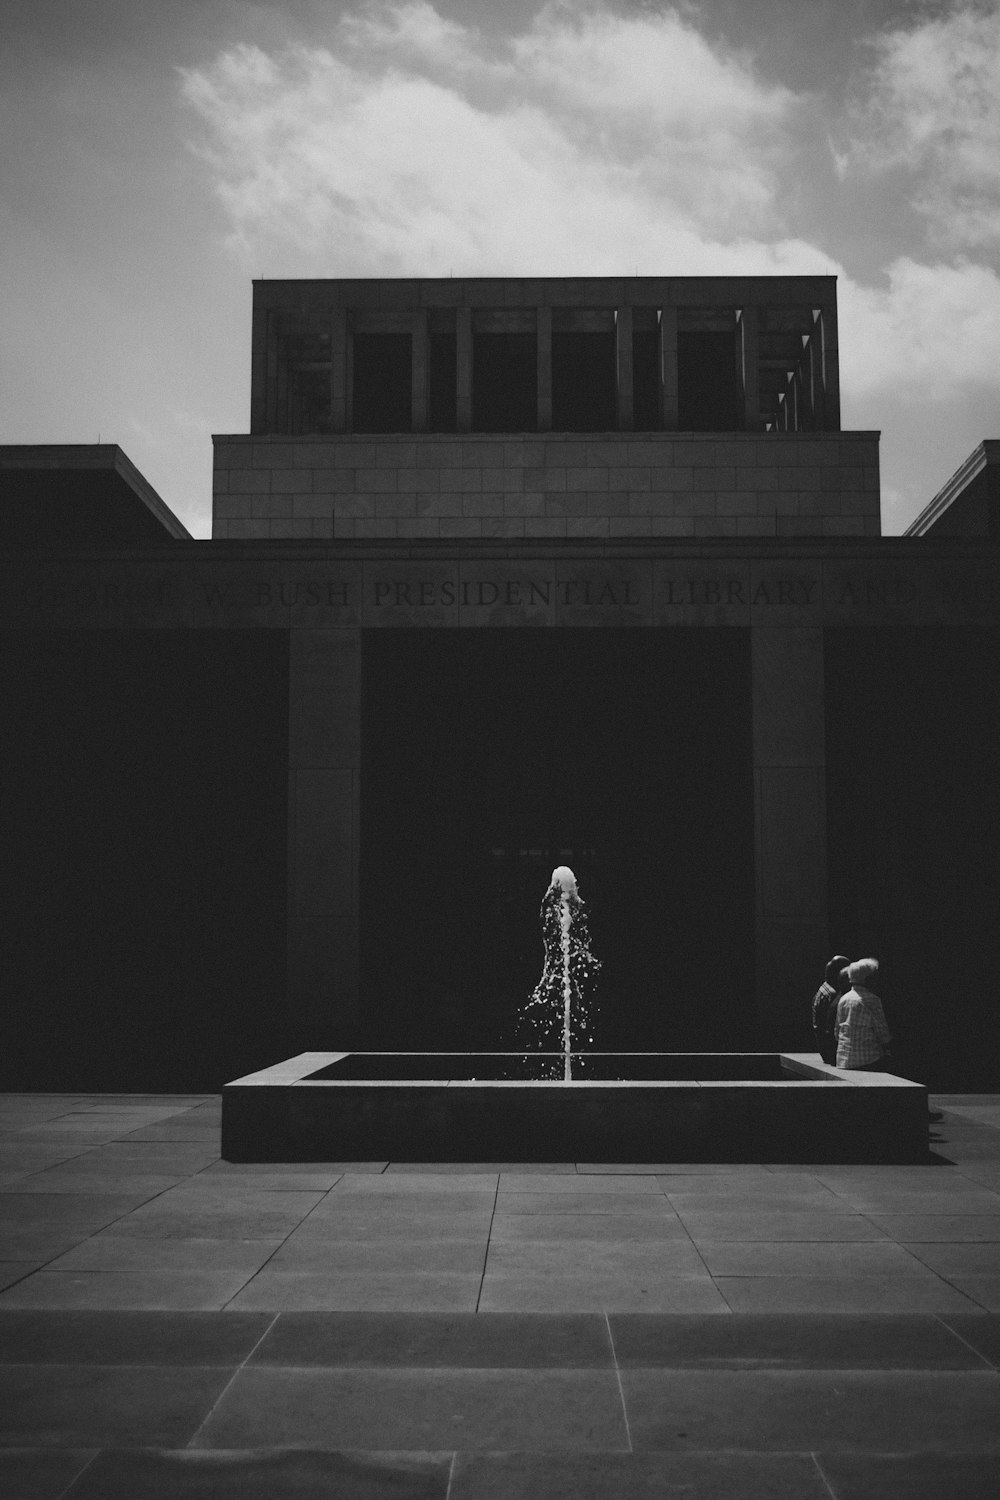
(383, 382)
(583, 381)
(504, 382)
(707, 395)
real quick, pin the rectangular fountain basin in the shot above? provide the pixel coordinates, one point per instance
(617, 1107)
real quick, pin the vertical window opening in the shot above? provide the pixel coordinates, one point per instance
(707, 393)
(584, 393)
(504, 382)
(383, 382)
(442, 354)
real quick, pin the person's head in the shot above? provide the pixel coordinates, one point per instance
(862, 971)
(835, 968)
(564, 880)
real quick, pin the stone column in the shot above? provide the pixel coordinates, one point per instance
(543, 326)
(750, 346)
(270, 422)
(830, 367)
(789, 763)
(668, 368)
(324, 760)
(463, 370)
(623, 343)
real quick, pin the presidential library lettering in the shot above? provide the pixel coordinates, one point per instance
(505, 574)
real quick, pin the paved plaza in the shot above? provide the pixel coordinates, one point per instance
(175, 1326)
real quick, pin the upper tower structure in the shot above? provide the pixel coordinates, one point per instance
(546, 407)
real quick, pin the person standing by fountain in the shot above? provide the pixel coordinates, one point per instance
(824, 1008)
(863, 1037)
(558, 1014)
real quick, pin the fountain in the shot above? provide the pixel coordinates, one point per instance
(569, 1104)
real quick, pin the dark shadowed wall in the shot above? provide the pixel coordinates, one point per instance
(489, 757)
(913, 786)
(145, 786)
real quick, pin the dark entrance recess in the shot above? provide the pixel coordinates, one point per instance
(491, 756)
(383, 382)
(144, 836)
(914, 838)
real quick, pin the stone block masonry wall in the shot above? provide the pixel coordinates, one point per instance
(547, 485)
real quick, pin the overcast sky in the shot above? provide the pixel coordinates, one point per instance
(159, 154)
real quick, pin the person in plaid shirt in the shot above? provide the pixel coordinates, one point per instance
(863, 1037)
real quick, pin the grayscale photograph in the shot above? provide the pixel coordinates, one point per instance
(500, 680)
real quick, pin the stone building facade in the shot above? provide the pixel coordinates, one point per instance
(694, 407)
(507, 574)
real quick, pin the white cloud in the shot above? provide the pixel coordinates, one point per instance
(591, 141)
(590, 144)
(932, 330)
(931, 108)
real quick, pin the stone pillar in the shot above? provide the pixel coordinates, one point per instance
(623, 342)
(463, 371)
(830, 365)
(543, 325)
(270, 423)
(258, 366)
(324, 761)
(789, 764)
(668, 368)
(750, 346)
(420, 382)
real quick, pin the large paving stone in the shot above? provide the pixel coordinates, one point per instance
(624, 1229)
(832, 1411)
(981, 1331)
(449, 1340)
(262, 1475)
(119, 1252)
(129, 1338)
(778, 1225)
(380, 1254)
(96, 1406)
(569, 1201)
(851, 1259)
(486, 1410)
(541, 1291)
(793, 1341)
(911, 1229)
(842, 1294)
(985, 1290)
(642, 1258)
(209, 1222)
(360, 1291)
(140, 1187)
(53, 1210)
(545, 1182)
(426, 1184)
(40, 1473)
(636, 1476)
(909, 1476)
(343, 1200)
(183, 1290)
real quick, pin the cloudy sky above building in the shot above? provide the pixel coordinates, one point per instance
(159, 154)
